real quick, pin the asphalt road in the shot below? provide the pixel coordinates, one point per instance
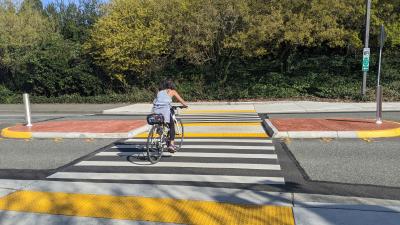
(36, 158)
(298, 180)
(352, 161)
(45, 154)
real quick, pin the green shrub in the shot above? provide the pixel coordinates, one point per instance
(7, 96)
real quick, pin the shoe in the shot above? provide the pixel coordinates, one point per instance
(171, 148)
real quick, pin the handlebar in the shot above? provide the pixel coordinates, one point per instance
(175, 107)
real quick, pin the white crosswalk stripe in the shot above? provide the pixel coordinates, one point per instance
(170, 177)
(199, 154)
(201, 161)
(185, 165)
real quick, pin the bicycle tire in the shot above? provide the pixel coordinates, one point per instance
(154, 146)
(179, 132)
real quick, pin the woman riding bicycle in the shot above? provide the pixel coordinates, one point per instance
(162, 105)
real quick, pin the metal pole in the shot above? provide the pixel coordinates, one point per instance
(379, 92)
(379, 104)
(27, 110)
(366, 43)
(379, 67)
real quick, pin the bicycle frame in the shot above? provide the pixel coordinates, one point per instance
(159, 137)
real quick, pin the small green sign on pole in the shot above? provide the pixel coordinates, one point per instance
(365, 62)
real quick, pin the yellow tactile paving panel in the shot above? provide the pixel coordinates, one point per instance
(190, 135)
(146, 209)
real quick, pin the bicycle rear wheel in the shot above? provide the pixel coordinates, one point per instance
(154, 144)
(179, 133)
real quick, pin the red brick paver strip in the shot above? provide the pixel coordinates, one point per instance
(90, 126)
(331, 124)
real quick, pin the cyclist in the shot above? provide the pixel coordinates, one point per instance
(162, 105)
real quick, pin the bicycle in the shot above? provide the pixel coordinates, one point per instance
(157, 139)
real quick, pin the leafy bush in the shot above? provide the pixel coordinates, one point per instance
(6, 96)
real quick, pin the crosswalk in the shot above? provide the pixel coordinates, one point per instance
(215, 162)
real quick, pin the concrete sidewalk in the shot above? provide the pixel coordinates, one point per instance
(267, 107)
(52, 202)
(309, 106)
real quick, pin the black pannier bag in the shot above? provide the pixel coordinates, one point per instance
(155, 119)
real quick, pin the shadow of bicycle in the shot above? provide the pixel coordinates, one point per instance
(137, 153)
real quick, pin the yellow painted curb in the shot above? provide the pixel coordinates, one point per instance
(163, 210)
(189, 135)
(6, 132)
(217, 111)
(222, 124)
(379, 133)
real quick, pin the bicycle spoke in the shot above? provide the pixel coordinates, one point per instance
(154, 144)
(179, 133)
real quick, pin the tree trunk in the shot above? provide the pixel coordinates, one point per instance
(284, 57)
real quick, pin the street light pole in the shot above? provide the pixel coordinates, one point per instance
(366, 43)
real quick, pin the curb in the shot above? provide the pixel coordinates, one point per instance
(345, 202)
(7, 133)
(339, 134)
(139, 130)
(269, 127)
(316, 134)
(379, 133)
(330, 134)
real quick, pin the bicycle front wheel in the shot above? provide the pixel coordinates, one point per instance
(179, 133)
(154, 144)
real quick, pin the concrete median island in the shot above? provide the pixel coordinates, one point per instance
(78, 129)
(331, 128)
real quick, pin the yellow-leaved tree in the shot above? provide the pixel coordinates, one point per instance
(129, 39)
(136, 37)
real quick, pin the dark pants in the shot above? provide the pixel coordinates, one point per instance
(171, 128)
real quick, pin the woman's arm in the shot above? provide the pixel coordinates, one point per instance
(178, 97)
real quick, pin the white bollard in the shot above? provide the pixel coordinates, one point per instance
(27, 110)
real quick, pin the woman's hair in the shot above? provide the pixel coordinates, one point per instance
(167, 84)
